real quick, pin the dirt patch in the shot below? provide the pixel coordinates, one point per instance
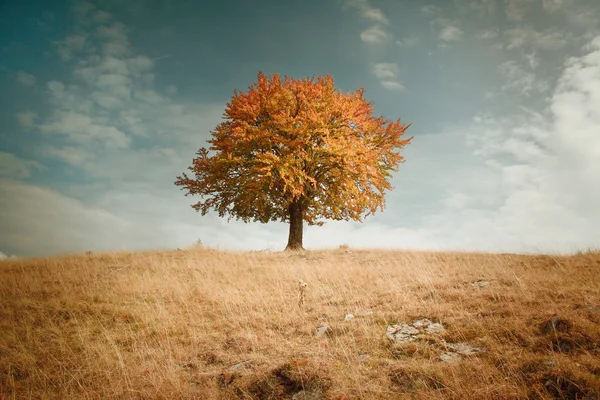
(561, 386)
(555, 325)
(408, 380)
(294, 378)
(560, 335)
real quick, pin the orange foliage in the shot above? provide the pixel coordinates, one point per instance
(296, 141)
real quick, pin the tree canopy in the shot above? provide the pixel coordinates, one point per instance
(296, 150)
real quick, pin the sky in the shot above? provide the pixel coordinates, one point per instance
(104, 103)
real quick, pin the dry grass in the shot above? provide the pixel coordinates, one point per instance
(167, 325)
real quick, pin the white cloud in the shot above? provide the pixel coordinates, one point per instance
(4, 257)
(518, 38)
(408, 41)
(549, 164)
(26, 79)
(451, 33)
(554, 5)
(446, 29)
(75, 156)
(101, 17)
(367, 11)
(14, 167)
(72, 44)
(488, 34)
(387, 74)
(516, 9)
(171, 89)
(393, 85)
(482, 8)
(519, 78)
(27, 119)
(82, 129)
(385, 70)
(430, 9)
(374, 35)
(377, 33)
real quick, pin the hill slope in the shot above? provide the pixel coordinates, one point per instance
(212, 325)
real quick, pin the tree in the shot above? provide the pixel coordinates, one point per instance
(296, 150)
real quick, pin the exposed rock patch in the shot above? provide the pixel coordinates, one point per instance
(403, 333)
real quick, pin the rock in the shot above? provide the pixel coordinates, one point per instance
(321, 330)
(422, 323)
(363, 357)
(348, 317)
(480, 283)
(240, 366)
(435, 328)
(450, 357)
(402, 333)
(464, 349)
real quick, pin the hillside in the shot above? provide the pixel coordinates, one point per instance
(203, 324)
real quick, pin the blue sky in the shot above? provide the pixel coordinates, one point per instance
(105, 102)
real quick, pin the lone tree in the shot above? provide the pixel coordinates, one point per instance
(296, 150)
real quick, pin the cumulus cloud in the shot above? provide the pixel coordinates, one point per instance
(26, 118)
(482, 8)
(555, 5)
(548, 162)
(528, 37)
(374, 35)
(393, 85)
(14, 167)
(26, 79)
(516, 9)
(367, 11)
(377, 33)
(451, 33)
(447, 30)
(81, 129)
(70, 45)
(488, 34)
(430, 9)
(387, 74)
(128, 221)
(410, 41)
(517, 77)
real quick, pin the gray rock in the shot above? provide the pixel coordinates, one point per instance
(408, 333)
(435, 328)
(464, 349)
(422, 323)
(363, 357)
(402, 333)
(348, 317)
(450, 357)
(321, 330)
(240, 366)
(480, 283)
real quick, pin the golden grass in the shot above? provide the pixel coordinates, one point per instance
(167, 325)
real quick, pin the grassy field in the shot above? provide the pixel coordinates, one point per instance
(204, 324)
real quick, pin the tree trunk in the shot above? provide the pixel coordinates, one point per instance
(296, 221)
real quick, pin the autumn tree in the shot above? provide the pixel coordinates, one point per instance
(296, 150)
